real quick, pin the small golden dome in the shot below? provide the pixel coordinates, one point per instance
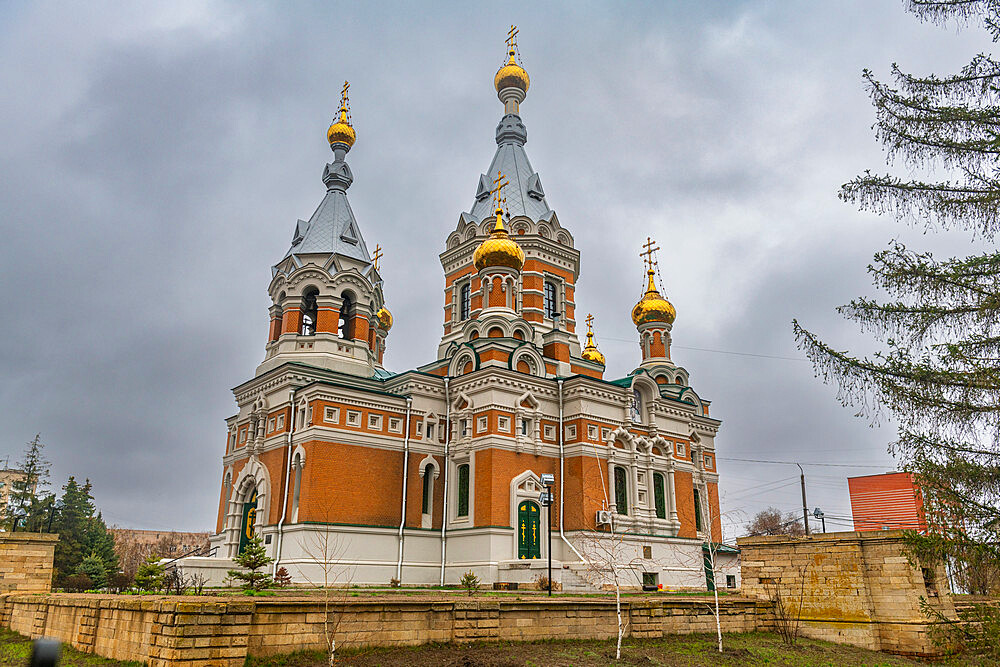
(652, 307)
(511, 75)
(341, 132)
(384, 317)
(499, 249)
(590, 351)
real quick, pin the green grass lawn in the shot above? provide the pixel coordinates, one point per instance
(15, 649)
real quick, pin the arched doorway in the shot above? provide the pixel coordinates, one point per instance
(248, 521)
(528, 530)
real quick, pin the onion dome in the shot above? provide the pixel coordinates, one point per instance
(652, 307)
(384, 318)
(590, 351)
(499, 249)
(341, 132)
(511, 75)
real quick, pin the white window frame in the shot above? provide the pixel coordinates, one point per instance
(549, 432)
(679, 449)
(374, 422)
(271, 424)
(482, 424)
(605, 433)
(281, 422)
(395, 425)
(331, 414)
(503, 424)
(571, 432)
(591, 432)
(354, 418)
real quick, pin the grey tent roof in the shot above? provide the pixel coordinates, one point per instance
(331, 229)
(524, 193)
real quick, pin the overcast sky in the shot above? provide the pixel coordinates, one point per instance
(155, 160)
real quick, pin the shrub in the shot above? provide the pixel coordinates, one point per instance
(77, 583)
(542, 582)
(282, 578)
(394, 583)
(149, 576)
(470, 582)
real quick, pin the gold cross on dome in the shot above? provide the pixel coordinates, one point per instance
(589, 321)
(512, 38)
(377, 256)
(647, 255)
(343, 95)
(499, 183)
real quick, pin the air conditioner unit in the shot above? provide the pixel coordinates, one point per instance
(603, 518)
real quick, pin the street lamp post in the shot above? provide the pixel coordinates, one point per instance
(821, 515)
(548, 480)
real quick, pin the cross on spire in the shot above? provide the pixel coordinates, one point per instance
(377, 256)
(345, 105)
(512, 39)
(647, 255)
(499, 183)
(590, 322)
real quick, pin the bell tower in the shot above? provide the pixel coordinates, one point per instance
(328, 309)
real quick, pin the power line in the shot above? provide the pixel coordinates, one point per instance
(706, 349)
(792, 463)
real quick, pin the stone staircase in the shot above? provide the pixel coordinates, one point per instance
(573, 581)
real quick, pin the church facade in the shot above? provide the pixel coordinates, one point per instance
(424, 474)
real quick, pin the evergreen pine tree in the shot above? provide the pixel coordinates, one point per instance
(253, 558)
(101, 542)
(938, 372)
(27, 489)
(76, 509)
(149, 576)
(93, 567)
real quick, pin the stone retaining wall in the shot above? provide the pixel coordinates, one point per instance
(219, 631)
(851, 588)
(26, 561)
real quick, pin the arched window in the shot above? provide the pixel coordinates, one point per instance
(463, 490)
(621, 490)
(551, 304)
(309, 309)
(464, 302)
(636, 405)
(344, 328)
(425, 505)
(297, 465)
(660, 495)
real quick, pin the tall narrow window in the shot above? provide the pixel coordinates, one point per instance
(297, 465)
(309, 311)
(659, 496)
(551, 306)
(463, 490)
(464, 302)
(697, 511)
(344, 324)
(425, 505)
(621, 490)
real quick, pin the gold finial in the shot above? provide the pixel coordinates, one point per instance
(377, 256)
(590, 351)
(647, 255)
(499, 183)
(499, 249)
(652, 307)
(341, 131)
(511, 75)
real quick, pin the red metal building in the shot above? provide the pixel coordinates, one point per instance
(887, 502)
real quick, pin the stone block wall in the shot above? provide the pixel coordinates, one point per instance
(852, 588)
(26, 561)
(167, 631)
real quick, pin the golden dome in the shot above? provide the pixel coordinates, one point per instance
(652, 307)
(384, 317)
(499, 249)
(511, 75)
(341, 132)
(590, 351)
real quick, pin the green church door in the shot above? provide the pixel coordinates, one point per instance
(528, 537)
(247, 523)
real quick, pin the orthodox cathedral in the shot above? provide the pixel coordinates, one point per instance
(511, 442)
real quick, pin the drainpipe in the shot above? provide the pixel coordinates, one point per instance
(562, 468)
(447, 449)
(288, 477)
(406, 474)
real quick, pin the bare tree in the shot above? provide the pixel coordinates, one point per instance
(786, 619)
(770, 521)
(325, 547)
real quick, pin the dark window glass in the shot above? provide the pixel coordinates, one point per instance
(659, 496)
(309, 309)
(465, 302)
(697, 510)
(463, 490)
(621, 490)
(428, 480)
(344, 325)
(551, 307)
